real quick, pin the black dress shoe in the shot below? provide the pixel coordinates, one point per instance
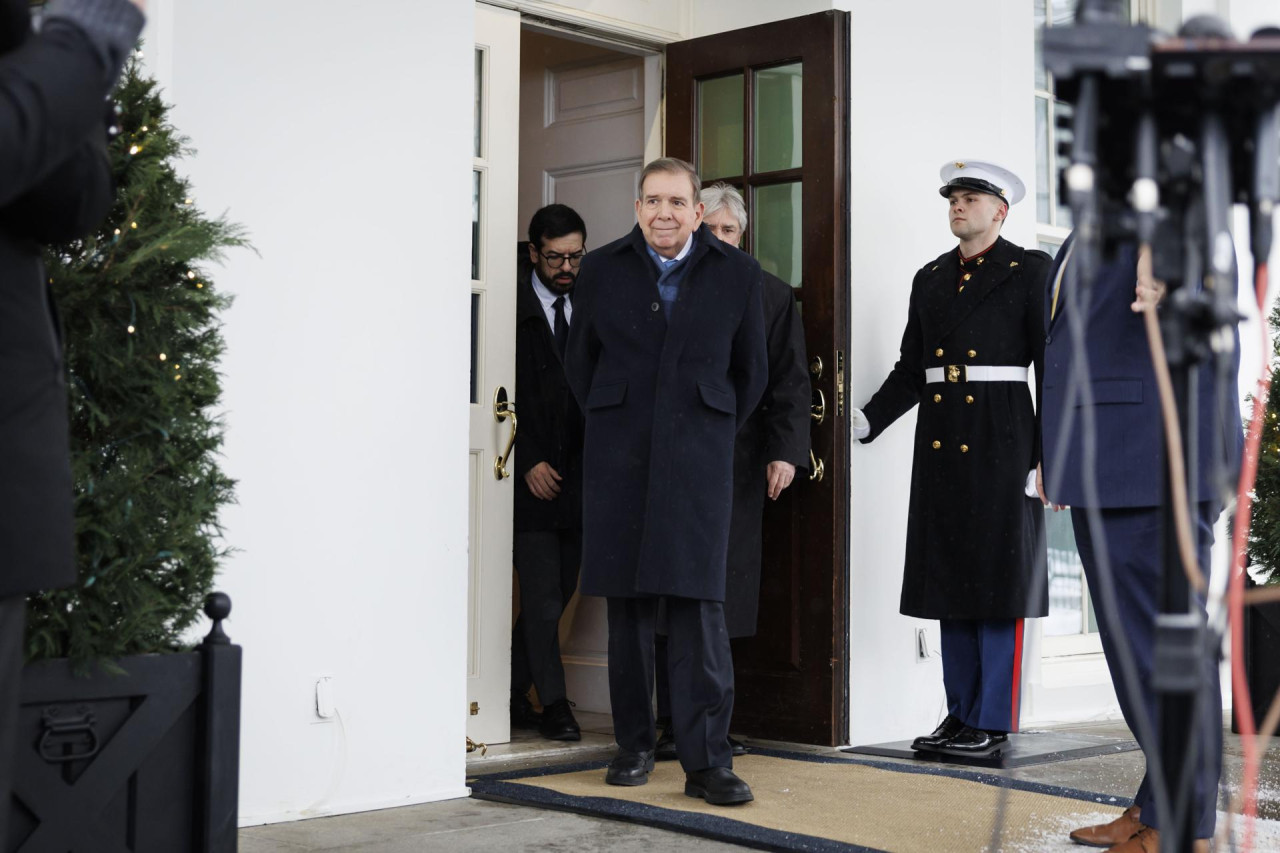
(975, 742)
(522, 714)
(719, 786)
(946, 730)
(737, 746)
(630, 768)
(558, 722)
(666, 748)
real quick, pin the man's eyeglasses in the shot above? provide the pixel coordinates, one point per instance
(556, 259)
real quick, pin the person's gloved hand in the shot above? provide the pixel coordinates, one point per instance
(861, 426)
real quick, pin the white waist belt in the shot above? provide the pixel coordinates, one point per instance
(975, 373)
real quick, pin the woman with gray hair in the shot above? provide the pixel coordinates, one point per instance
(771, 445)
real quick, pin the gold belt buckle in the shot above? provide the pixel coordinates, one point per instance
(953, 372)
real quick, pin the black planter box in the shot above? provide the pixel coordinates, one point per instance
(1261, 657)
(146, 761)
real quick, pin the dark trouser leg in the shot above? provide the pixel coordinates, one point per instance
(631, 631)
(661, 670)
(547, 570)
(12, 613)
(1133, 539)
(961, 662)
(701, 675)
(1000, 647)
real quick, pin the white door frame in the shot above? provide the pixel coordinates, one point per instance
(493, 298)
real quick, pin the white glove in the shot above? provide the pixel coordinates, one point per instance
(861, 426)
(1030, 487)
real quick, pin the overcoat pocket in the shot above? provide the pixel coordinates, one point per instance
(604, 396)
(718, 398)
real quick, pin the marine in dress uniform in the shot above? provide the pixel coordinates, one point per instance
(974, 528)
(769, 449)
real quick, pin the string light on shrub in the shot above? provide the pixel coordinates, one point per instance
(132, 330)
(134, 149)
(163, 357)
(190, 274)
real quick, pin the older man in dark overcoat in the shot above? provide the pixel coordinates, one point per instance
(56, 186)
(770, 448)
(667, 357)
(975, 539)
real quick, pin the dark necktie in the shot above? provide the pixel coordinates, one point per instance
(561, 327)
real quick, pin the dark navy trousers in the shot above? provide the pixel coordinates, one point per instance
(982, 671)
(1133, 541)
(700, 670)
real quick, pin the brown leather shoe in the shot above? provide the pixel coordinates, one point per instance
(1147, 840)
(1118, 831)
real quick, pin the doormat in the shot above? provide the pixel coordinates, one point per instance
(1024, 749)
(825, 803)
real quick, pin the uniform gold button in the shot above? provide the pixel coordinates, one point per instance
(968, 276)
(980, 260)
(937, 444)
(969, 399)
(972, 353)
(964, 448)
(938, 352)
(937, 398)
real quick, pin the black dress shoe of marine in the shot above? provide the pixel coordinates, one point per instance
(719, 786)
(522, 714)
(666, 747)
(630, 768)
(737, 746)
(558, 722)
(975, 742)
(946, 730)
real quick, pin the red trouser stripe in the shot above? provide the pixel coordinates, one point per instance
(1017, 675)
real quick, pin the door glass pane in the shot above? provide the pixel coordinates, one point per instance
(778, 117)
(475, 346)
(777, 237)
(1066, 578)
(479, 113)
(1044, 165)
(720, 127)
(1038, 18)
(475, 225)
(1061, 108)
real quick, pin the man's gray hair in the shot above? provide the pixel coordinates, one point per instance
(724, 195)
(671, 166)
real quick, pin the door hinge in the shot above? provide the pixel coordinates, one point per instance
(475, 708)
(839, 383)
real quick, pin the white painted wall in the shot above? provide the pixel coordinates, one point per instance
(717, 16)
(927, 86)
(332, 137)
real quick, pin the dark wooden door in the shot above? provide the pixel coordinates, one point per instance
(766, 109)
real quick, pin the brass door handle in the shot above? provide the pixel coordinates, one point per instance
(503, 410)
(817, 468)
(818, 410)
